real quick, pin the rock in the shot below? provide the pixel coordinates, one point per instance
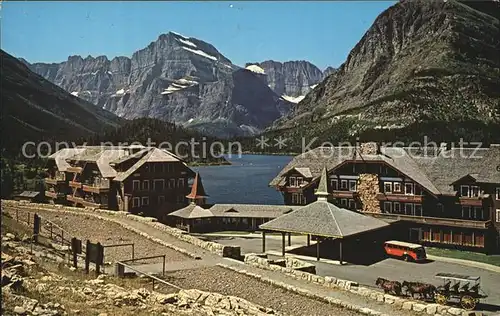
(408, 305)
(10, 236)
(432, 309)
(19, 310)
(417, 307)
(455, 311)
(166, 298)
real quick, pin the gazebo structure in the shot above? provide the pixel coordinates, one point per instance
(322, 220)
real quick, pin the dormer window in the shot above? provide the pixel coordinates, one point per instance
(497, 194)
(409, 189)
(343, 184)
(299, 181)
(292, 181)
(469, 191)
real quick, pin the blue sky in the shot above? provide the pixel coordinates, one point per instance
(322, 32)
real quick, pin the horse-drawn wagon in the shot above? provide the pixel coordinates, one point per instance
(464, 288)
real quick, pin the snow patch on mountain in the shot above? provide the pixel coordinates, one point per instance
(293, 99)
(186, 42)
(313, 86)
(200, 52)
(256, 69)
(178, 85)
(179, 34)
(75, 93)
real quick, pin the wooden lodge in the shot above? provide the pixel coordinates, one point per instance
(136, 179)
(443, 197)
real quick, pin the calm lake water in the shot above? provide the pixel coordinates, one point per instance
(245, 181)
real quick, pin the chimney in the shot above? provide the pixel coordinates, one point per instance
(371, 148)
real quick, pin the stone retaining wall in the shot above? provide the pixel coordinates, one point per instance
(283, 265)
(222, 250)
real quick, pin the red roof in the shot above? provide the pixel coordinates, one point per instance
(197, 190)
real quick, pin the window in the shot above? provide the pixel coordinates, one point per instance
(158, 184)
(299, 181)
(172, 183)
(180, 183)
(293, 181)
(298, 199)
(474, 191)
(334, 183)
(352, 204)
(145, 200)
(343, 184)
(136, 184)
(498, 215)
(409, 209)
(388, 187)
(397, 187)
(145, 185)
(388, 207)
(464, 190)
(418, 210)
(465, 211)
(352, 185)
(161, 199)
(136, 202)
(478, 212)
(497, 194)
(409, 189)
(157, 167)
(397, 207)
(343, 202)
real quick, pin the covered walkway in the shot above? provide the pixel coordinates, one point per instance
(323, 221)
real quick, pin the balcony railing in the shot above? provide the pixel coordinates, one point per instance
(434, 220)
(344, 194)
(54, 195)
(75, 184)
(400, 197)
(54, 181)
(84, 202)
(97, 186)
(74, 169)
(471, 201)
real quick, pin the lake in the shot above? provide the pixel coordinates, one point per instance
(245, 181)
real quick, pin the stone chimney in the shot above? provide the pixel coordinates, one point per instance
(371, 148)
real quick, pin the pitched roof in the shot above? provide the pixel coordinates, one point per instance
(197, 190)
(251, 210)
(321, 218)
(192, 211)
(152, 154)
(61, 155)
(28, 194)
(306, 172)
(433, 168)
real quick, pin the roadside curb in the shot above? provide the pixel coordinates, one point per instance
(474, 264)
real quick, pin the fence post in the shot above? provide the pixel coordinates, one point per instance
(17, 215)
(133, 252)
(163, 265)
(99, 258)
(36, 227)
(87, 258)
(29, 218)
(74, 247)
(153, 284)
(62, 237)
(50, 230)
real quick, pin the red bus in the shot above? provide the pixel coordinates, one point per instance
(405, 250)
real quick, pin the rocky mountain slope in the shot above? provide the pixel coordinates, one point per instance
(177, 79)
(292, 80)
(420, 61)
(36, 109)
